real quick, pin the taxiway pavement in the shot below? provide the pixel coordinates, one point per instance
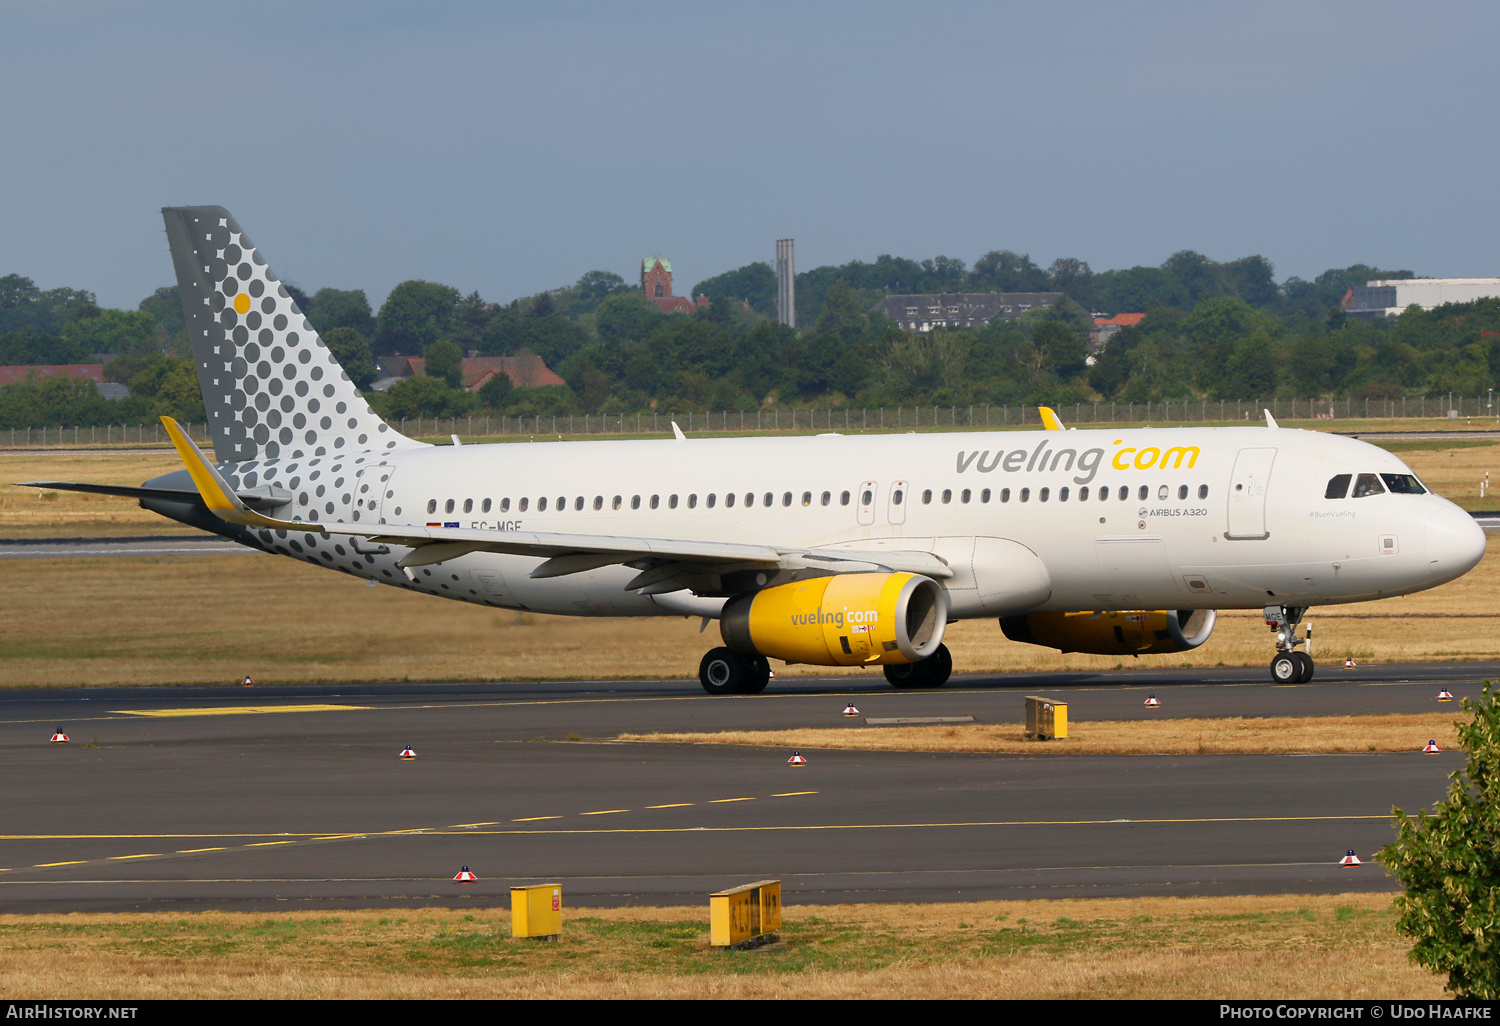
(283, 797)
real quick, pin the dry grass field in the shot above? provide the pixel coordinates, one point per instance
(1287, 947)
(213, 619)
(1144, 736)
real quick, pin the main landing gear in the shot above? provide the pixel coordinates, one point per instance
(932, 672)
(724, 671)
(1289, 666)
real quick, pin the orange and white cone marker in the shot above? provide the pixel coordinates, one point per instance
(796, 760)
(1152, 703)
(1349, 663)
(60, 738)
(1445, 696)
(248, 682)
(464, 876)
(1432, 746)
(1350, 859)
(849, 710)
(407, 753)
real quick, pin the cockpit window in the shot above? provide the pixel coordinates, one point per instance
(1367, 484)
(1338, 486)
(1403, 484)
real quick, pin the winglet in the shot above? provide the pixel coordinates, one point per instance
(677, 432)
(1050, 420)
(217, 495)
(1270, 420)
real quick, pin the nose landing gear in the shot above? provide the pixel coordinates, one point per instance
(1289, 666)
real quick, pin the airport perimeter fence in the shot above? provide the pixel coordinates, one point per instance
(777, 419)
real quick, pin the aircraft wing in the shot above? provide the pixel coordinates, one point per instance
(666, 564)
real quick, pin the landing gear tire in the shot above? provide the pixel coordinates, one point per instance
(724, 671)
(932, 672)
(1305, 666)
(760, 676)
(1286, 668)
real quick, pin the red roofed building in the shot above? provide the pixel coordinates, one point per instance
(656, 285)
(525, 371)
(1105, 327)
(93, 371)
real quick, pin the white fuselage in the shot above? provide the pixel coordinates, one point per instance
(1123, 519)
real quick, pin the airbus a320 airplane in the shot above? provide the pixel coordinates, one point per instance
(832, 550)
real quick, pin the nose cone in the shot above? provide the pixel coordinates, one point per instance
(1455, 543)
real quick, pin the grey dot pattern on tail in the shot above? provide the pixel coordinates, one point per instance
(271, 388)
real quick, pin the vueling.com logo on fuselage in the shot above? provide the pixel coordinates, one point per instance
(1086, 463)
(836, 619)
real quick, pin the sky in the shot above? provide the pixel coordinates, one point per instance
(509, 148)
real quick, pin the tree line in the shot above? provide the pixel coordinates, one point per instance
(1211, 330)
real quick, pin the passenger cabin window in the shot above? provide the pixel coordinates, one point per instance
(984, 496)
(484, 507)
(1203, 491)
(728, 499)
(598, 502)
(828, 497)
(807, 498)
(671, 502)
(1145, 492)
(1161, 494)
(1062, 495)
(1125, 493)
(1367, 484)
(468, 505)
(521, 506)
(965, 495)
(635, 502)
(712, 498)
(432, 505)
(614, 503)
(1042, 495)
(693, 501)
(865, 498)
(562, 503)
(505, 505)
(1181, 492)
(541, 504)
(1025, 494)
(896, 497)
(1338, 486)
(1005, 495)
(947, 496)
(655, 501)
(1403, 484)
(768, 499)
(1083, 494)
(448, 506)
(926, 496)
(578, 503)
(786, 499)
(843, 498)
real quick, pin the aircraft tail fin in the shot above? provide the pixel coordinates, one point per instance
(271, 387)
(1050, 419)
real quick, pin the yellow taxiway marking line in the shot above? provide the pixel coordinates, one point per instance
(267, 844)
(48, 865)
(533, 819)
(147, 855)
(674, 805)
(237, 710)
(194, 851)
(476, 824)
(721, 801)
(934, 826)
(603, 812)
(792, 794)
(335, 837)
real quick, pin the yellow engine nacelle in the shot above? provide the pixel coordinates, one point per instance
(1121, 632)
(843, 620)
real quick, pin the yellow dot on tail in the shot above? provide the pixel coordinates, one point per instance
(242, 303)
